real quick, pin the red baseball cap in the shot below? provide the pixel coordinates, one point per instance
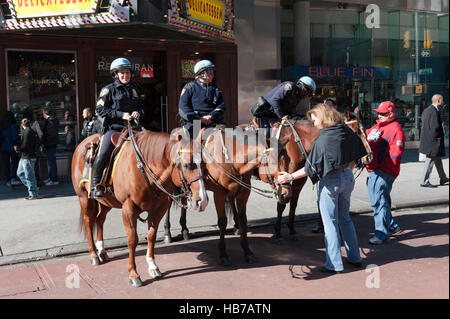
(386, 107)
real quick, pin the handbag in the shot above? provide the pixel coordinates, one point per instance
(262, 108)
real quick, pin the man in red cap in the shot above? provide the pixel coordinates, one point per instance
(387, 141)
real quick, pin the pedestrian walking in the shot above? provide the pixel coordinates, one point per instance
(432, 142)
(50, 142)
(28, 149)
(28, 113)
(387, 141)
(330, 163)
(8, 138)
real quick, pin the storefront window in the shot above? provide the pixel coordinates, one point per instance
(408, 53)
(45, 79)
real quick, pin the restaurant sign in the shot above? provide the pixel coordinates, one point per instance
(44, 8)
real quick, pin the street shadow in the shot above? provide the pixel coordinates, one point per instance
(63, 189)
(304, 256)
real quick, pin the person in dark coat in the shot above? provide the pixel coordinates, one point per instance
(432, 141)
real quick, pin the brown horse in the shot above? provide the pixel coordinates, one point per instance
(230, 162)
(294, 159)
(169, 164)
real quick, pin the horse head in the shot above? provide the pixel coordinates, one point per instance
(189, 170)
(353, 120)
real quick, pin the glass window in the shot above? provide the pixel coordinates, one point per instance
(45, 79)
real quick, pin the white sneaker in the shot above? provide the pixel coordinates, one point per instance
(376, 241)
(15, 181)
(46, 180)
(51, 183)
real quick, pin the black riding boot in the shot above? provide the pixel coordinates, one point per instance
(97, 170)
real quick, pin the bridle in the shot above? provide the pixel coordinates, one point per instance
(184, 182)
(369, 155)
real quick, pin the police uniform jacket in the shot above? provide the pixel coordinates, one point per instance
(284, 98)
(116, 99)
(199, 99)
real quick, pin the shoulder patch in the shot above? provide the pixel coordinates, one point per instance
(101, 102)
(103, 92)
(288, 87)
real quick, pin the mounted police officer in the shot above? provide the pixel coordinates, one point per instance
(284, 99)
(201, 99)
(118, 102)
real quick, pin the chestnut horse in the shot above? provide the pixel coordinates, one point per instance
(229, 166)
(295, 159)
(165, 162)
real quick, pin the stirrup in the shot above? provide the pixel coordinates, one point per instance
(97, 192)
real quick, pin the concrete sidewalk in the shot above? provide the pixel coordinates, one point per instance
(48, 227)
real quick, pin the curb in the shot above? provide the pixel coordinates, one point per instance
(197, 234)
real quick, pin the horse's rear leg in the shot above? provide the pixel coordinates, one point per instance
(88, 213)
(219, 201)
(129, 217)
(241, 205)
(101, 252)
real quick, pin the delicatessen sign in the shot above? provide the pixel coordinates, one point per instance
(43, 8)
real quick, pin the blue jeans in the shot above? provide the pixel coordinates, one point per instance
(335, 190)
(25, 171)
(379, 185)
(51, 158)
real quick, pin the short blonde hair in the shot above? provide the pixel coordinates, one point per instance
(326, 115)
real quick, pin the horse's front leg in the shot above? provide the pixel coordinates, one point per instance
(167, 234)
(101, 252)
(184, 229)
(292, 207)
(219, 201)
(129, 217)
(241, 205)
(277, 226)
(153, 223)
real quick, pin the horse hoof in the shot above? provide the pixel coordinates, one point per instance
(95, 261)
(185, 234)
(167, 239)
(225, 261)
(154, 273)
(135, 282)
(103, 257)
(250, 258)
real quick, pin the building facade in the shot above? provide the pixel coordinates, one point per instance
(54, 57)
(359, 52)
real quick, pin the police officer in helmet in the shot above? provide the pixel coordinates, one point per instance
(201, 99)
(285, 96)
(118, 102)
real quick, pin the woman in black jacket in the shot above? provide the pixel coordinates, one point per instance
(330, 163)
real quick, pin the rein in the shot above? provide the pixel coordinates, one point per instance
(257, 190)
(145, 170)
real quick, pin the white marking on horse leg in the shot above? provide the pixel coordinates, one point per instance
(151, 263)
(100, 247)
